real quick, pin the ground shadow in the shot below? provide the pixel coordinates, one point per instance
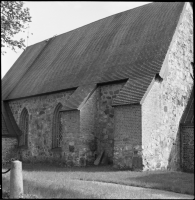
(41, 191)
(183, 182)
(50, 167)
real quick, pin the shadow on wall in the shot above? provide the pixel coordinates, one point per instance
(174, 160)
(181, 157)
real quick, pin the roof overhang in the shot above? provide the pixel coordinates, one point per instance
(78, 99)
(11, 125)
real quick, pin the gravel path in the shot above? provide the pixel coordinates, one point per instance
(111, 191)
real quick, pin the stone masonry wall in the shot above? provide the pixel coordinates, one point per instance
(9, 149)
(40, 109)
(127, 137)
(81, 144)
(187, 138)
(88, 118)
(70, 142)
(78, 127)
(104, 127)
(163, 107)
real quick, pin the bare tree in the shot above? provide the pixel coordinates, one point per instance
(14, 19)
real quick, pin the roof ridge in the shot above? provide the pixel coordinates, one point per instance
(95, 21)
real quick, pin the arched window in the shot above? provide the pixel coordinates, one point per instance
(57, 127)
(23, 124)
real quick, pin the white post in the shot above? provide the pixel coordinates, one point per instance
(16, 180)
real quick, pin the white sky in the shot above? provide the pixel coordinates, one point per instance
(51, 18)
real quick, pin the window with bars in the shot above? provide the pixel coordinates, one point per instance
(57, 128)
(23, 124)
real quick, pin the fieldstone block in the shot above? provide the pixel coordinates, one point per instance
(82, 161)
(71, 148)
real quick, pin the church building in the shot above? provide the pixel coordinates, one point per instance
(117, 91)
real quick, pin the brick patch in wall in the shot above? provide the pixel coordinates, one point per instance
(127, 137)
(187, 136)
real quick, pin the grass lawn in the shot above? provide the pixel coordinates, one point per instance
(45, 181)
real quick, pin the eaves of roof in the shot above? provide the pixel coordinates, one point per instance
(132, 92)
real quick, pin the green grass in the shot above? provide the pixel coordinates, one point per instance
(46, 181)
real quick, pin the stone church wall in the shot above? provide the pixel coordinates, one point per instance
(71, 138)
(78, 127)
(163, 107)
(104, 126)
(88, 118)
(40, 109)
(9, 149)
(86, 132)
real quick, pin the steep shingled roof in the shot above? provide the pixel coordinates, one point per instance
(130, 44)
(9, 126)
